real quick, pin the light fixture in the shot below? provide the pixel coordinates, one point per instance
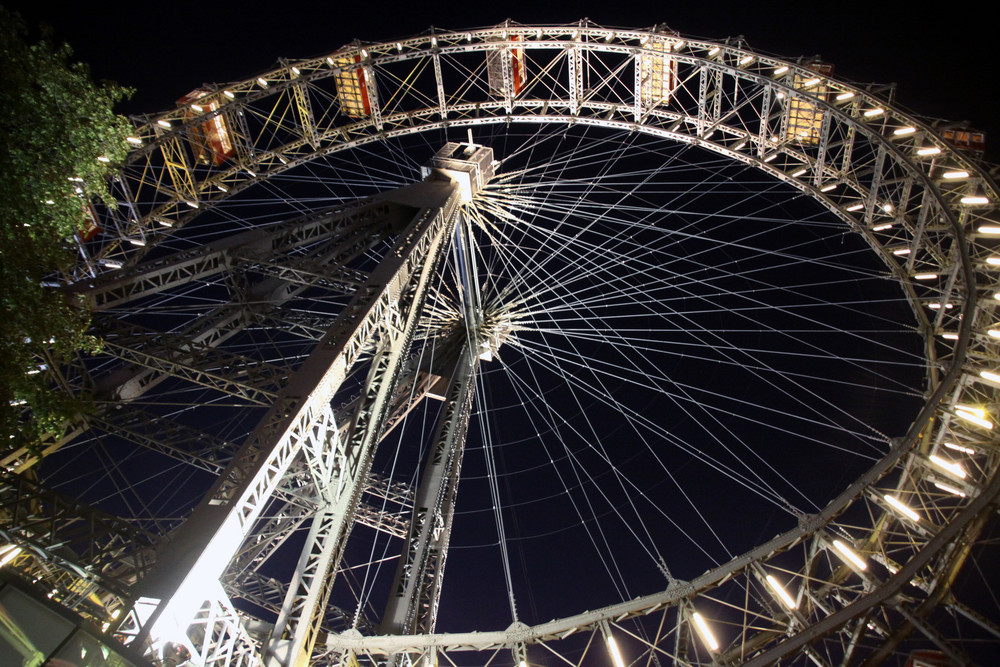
(949, 335)
(780, 591)
(616, 656)
(925, 276)
(955, 174)
(229, 94)
(770, 157)
(799, 173)
(882, 228)
(993, 261)
(855, 207)
(901, 251)
(989, 229)
(781, 70)
(871, 113)
(903, 131)
(959, 448)
(196, 108)
(11, 553)
(714, 51)
(844, 96)
(978, 417)
(955, 469)
(811, 82)
(706, 632)
(827, 188)
(974, 200)
(901, 507)
(950, 489)
(101, 158)
(135, 141)
(262, 81)
(848, 555)
(746, 60)
(930, 150)
(163, 124)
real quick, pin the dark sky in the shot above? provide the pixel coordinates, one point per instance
(166, 49)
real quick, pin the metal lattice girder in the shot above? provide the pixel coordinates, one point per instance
(87, 544)
(416, 588)
(353, 230)
(246, 378)
(232, 507)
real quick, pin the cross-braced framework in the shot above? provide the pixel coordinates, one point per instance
(703, 296)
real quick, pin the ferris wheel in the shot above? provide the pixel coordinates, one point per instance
(532, 345)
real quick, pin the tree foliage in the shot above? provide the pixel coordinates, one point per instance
(55, 124)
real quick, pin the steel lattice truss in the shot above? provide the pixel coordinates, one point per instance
(861, 578)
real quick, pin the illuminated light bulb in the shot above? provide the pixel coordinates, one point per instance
(882, 228)
(993, 261)
(706, 632)
(949, 336)
(296, 71)
(848, 555)
(714, 51)
(979, 412)
(973, 201)
(164, 222)
(103, 159)
(163, 123)
(925, 276)
(901, 507)
(989, 229)
(781, 70)
(903, 131)
(399, 46)
(799, 173)
(192, 204)
(779, 590)
(11, 553)
(230, 95)
(262, 81)
(746, 60)
(135, 141)
(901, 251)
(827, 188)
(930, 150)
(887, 207)
(197, 108)
(811, 82)
(770, 157)
(677, 46)
(139, 242)
(987, 375)
(955, 469)
(329, 60)
(844, 96)
(222, 188)
(959, 448)
(616, 656)
(950, 489)
(111, 263)
(855, 207)
(977, 419)
(739, 145)
(781, 95)
(871, 113)
(955, 174)
(116, 613)
(251, 174)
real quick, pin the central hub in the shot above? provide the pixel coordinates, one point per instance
(470, 165)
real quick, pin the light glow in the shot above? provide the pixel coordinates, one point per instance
(904, 131)
(164, 124)
(973, 201)
(959, 448)
(901, 251)
(262, 81)
(616, 656)
(714, 51)
(781, 70)
(135, 141)
(949, 336)
(705, 632)
(955, 469)
(978, 420)
(871, 113)
(229, 94)
(770, 157)
(925, 276)
(844, 96)
(930, 150)
(950, 489)
(989, 229)
(799, 173)
(855, 207)
(901, 507)
(848, 555)
(101, 158)
(955, 174)
(827, 188)
(746, 60)
(10, 553)
(993, 261)
(780, 591)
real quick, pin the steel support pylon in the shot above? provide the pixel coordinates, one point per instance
(300, 426)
